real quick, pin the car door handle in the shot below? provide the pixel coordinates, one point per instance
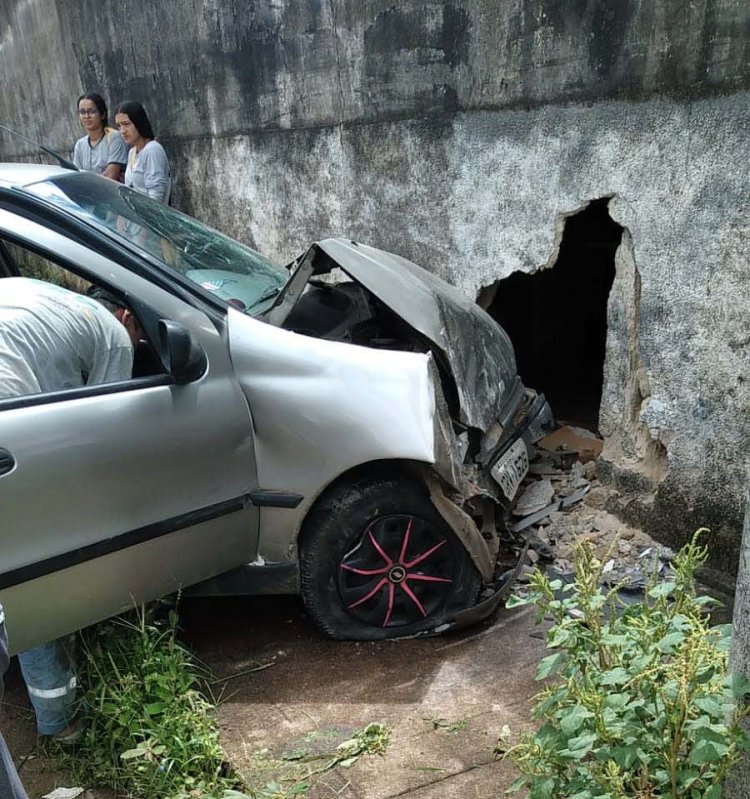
(7, 461)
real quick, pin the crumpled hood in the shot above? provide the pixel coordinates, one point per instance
(475, 348)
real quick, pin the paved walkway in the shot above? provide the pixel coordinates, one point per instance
(445, 701)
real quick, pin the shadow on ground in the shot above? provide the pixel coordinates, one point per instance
(286, 688)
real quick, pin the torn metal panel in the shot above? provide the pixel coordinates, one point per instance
(476, 350)
(292, 290)
(450, 449)
(463, 526)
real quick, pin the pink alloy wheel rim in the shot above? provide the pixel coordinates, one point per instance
(399, 572)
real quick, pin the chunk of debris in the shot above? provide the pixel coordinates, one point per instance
(577, 496)
(577, 478)
(536, 496)
(561, 500)
(584, 443)
(545, 467)
(534, 518)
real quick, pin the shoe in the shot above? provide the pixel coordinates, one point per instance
(69, 735)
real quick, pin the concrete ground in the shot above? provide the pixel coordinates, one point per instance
(288, 692)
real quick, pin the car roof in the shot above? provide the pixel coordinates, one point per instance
(24, 174)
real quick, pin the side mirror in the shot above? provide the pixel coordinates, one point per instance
(180, 353)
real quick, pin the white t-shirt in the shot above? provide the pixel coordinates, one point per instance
(52, 339)
(148, 171)
(110, 149)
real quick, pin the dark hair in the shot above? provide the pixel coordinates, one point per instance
(109, 300)
(138, 117)
(98, 101)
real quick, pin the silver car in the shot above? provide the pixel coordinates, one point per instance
(351, 427)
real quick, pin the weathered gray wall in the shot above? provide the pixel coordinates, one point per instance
(461, 134)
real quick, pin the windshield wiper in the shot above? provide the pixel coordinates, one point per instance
(64, 162)
(268, 294)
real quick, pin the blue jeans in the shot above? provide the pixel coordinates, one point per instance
(51, 684)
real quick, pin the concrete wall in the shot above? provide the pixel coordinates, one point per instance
(461, 135)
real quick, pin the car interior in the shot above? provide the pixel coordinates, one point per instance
(19, 261)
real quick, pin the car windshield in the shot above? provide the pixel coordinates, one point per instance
(226, 268)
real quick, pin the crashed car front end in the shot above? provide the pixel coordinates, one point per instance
(484, 422)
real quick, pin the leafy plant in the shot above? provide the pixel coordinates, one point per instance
(639, 704)
(148, 729)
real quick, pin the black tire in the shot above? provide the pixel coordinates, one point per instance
(378, 561)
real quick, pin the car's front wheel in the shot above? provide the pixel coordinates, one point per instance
(378, 561)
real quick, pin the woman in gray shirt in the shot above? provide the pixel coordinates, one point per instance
(102, 149)
(147, 170)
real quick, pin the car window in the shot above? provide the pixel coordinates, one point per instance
(220, 265)
(55, 336)
(31, 264)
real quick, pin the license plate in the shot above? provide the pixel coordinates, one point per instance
(511, 468)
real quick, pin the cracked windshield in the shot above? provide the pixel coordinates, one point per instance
(229, 270)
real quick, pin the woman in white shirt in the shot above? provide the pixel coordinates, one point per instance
(147, 169)
(102, 149)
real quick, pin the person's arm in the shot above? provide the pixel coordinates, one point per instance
(76, 154)
(117, 155)
(113, 171)
(156, 173)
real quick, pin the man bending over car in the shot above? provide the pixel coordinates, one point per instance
(53, 339)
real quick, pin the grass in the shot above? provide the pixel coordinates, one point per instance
(150, 731)
(452, 728)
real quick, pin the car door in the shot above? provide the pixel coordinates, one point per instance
(114, 494)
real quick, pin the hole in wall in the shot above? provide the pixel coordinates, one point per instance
(557, 317)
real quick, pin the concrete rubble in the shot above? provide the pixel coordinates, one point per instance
(561, 499)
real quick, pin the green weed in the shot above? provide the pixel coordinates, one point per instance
(149, 731)
(638, 703)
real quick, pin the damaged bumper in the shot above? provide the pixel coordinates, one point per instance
(491, 597)
(489, 600)
(476, 495)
